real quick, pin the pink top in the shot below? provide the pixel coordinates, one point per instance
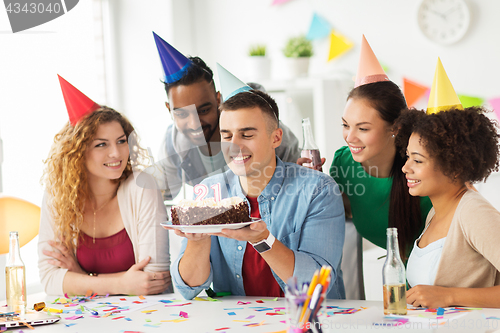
(111, 254)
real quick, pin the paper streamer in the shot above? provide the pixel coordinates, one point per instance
(339, 44)
(319, 28)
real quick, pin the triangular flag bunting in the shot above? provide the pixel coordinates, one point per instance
(413, 91)
(339, 44)
(319, 28)
(468, 101)
(279, 2)
(495, 104)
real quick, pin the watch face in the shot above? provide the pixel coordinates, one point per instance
(443, 21)
(262, 247)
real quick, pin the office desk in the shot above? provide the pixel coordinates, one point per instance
(226, 315)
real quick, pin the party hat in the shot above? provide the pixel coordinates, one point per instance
(174, 63)
(77, 104)
(369, 69)
(230, 85)
(442, 97)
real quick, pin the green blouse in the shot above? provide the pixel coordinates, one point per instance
(369, 197)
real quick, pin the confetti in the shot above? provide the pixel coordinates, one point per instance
(73, 317)
(177, 304)
(232, 313)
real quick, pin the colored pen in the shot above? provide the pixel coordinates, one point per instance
(313, 303)
(320, 301)
(310, 291)
(95, 313)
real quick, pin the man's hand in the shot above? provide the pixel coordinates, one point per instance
(253, 233)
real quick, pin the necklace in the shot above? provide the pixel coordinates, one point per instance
(95, 212)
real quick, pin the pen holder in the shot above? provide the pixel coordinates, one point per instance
(300, 320)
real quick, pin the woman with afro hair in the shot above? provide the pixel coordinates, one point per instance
(455, 262)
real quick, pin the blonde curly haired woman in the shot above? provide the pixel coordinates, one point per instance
(99, 230)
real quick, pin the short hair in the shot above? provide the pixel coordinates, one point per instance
(196, 72)
(254, 99)
(463, 143)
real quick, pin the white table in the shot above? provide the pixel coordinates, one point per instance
(205, 316)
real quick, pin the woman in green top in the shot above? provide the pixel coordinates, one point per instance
(368, 169)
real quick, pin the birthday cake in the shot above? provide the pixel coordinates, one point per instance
(209, 211)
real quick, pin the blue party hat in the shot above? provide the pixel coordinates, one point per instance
(230, 85)
(174, 63)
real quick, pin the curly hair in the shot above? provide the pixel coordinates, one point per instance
(463, 143)
(65, 174)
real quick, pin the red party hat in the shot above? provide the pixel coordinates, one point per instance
(77, 103)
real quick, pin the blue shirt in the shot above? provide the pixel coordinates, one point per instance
(302, 208)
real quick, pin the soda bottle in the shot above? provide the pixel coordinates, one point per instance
(394, 277)
(15, 277)
(310, 149)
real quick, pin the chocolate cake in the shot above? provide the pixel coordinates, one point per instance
(208, 211)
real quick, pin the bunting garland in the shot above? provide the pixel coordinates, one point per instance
(413, 91)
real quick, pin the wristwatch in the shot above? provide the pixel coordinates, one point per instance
(265, 244)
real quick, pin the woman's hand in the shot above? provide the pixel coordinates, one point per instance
(429, 296)
(303, 160)
(136, 281)
(64, 258)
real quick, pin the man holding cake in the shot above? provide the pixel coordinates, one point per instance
(302, 216)
(191, 149)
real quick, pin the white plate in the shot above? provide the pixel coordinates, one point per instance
(208, 229)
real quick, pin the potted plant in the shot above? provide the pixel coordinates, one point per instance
(259, 65)
(298, 50)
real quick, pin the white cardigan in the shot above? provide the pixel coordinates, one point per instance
(141, 209)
